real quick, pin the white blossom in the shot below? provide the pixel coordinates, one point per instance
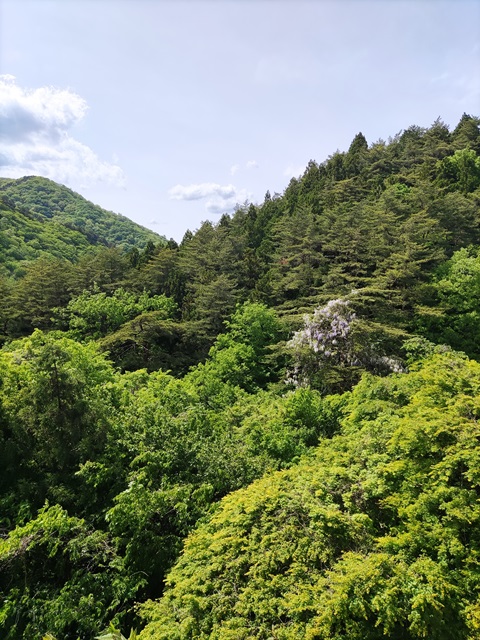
(328, 339)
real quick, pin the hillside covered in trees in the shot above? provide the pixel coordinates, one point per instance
(41, 218)
(266, 431)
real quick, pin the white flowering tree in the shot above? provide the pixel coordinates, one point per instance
(334, 347)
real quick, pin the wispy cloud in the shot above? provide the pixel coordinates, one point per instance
(250, 164)
(218, 198)
(199, 191)
(35, 134)
(293, 171)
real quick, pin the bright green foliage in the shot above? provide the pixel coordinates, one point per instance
(114, 634)
(253, 324)
(243, 355)
(60, 208)
(375, 536)
(188, 443)
(460, 171)
(457, 287)
(94, 314)
(25, 236)
(57, 574)
(185, 462)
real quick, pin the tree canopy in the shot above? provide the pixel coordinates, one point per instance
(266, 431)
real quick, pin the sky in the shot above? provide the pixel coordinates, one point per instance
(172, 112)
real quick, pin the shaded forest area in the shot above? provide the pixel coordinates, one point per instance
(266, 431)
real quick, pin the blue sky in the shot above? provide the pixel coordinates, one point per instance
(171, 112)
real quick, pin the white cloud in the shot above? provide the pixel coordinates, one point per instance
(34, 132)
(234, 169)
(218, 198)
(252, 164)
(199, 191)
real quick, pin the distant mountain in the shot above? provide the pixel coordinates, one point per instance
(39, 216)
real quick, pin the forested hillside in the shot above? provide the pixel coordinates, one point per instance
(266, 431)
(39, 217)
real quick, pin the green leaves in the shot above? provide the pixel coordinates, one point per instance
(457, 287)
(59, 575)
(114, 634)
(460, 171)
(57, 403)
(374, 536)
(243, 356)
(94, 314)
(56, 206)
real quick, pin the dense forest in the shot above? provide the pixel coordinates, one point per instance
(269, 430)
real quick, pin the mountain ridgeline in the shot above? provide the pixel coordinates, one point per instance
(39, 217)
(269, 430)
